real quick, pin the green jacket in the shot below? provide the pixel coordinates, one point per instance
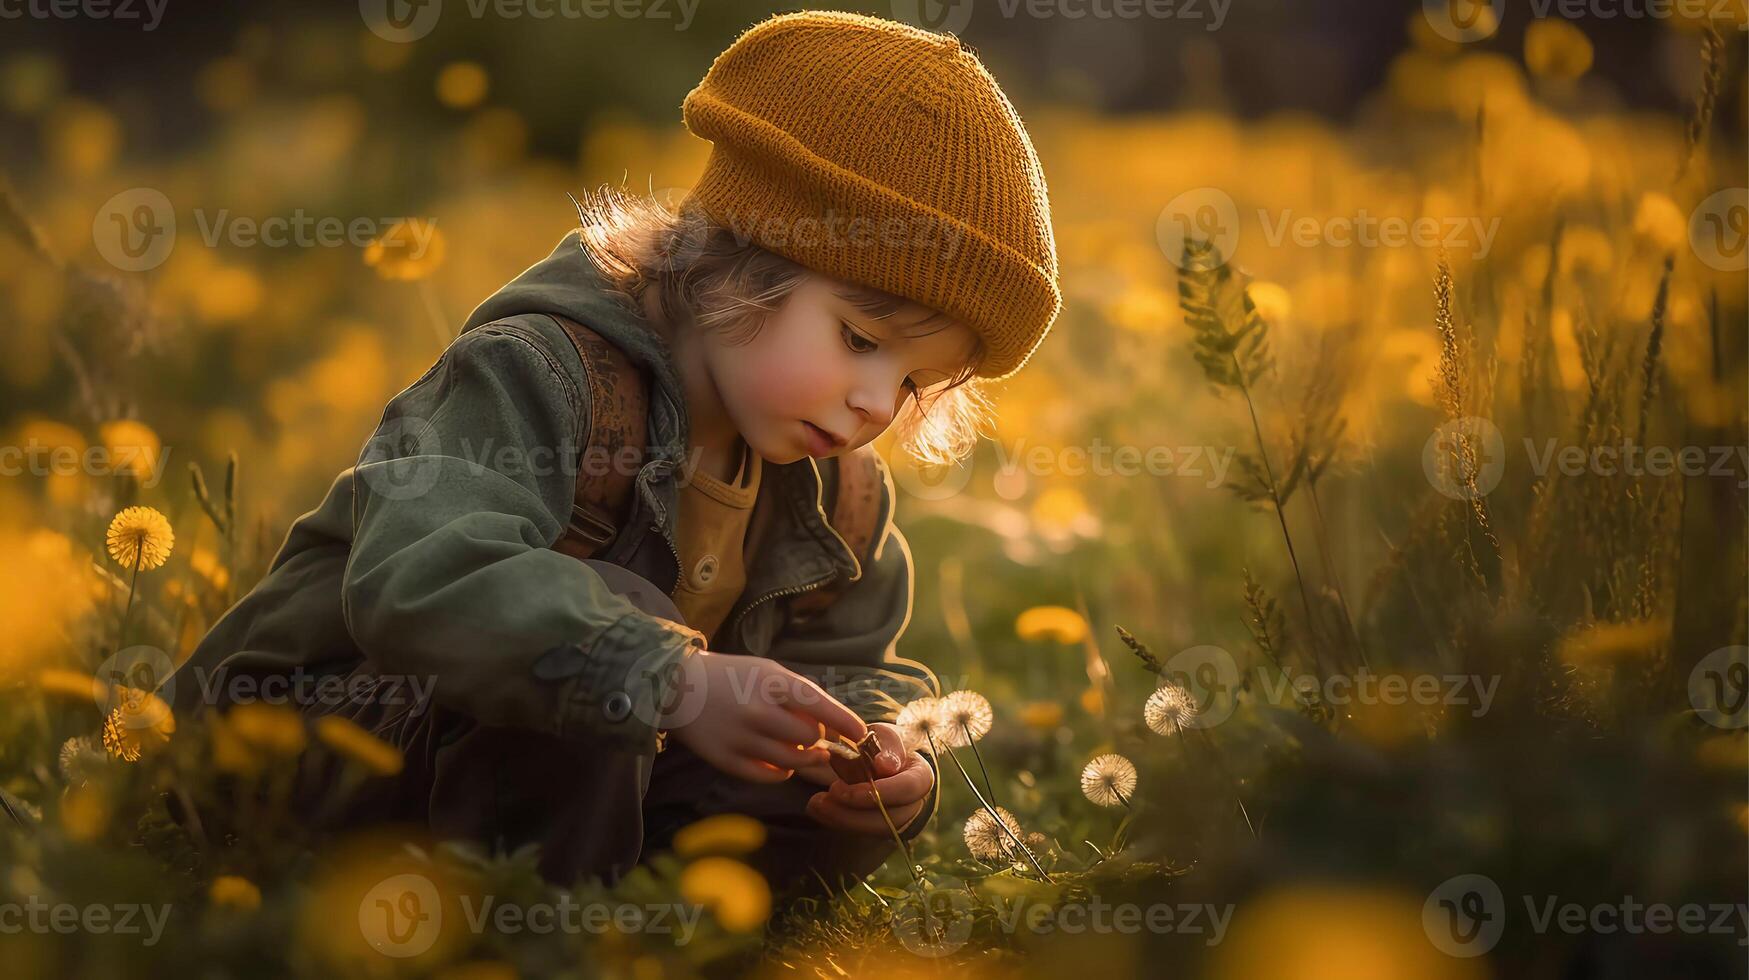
(432, 560)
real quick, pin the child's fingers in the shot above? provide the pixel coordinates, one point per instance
(784, 755)
(830, 812)
(813, 701)
(788, 725)
(909, 785)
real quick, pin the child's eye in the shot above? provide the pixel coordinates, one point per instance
(852, 339)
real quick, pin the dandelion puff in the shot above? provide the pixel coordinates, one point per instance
(1109, 780)
(919, 721)
(81, 757)
(140, 537)
(1170, 709)
(984, 836)
(966, 716)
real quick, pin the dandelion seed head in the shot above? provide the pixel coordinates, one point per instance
(919, 721)
(1109, 780)
(1170, 709)
(966, 716)
(984, 836)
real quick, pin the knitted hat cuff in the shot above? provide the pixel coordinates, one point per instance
(766, 187)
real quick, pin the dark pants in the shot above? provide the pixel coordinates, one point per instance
(596, 812)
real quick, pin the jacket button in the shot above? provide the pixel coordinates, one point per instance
(705, 572)
(618, 706)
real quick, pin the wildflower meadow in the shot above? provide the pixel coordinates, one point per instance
(1354, 585)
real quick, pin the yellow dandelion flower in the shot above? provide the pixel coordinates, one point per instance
(738, 896)
(1058, 623)
(724, 833)
(1554, 48)
(1041, 716)
(141, 722)
(1109, 780)
(234, 891)
(966, 716)
(140, 537)
(409, 250)
(272, 728)
(347, 739)
(984, 836)
(1170, 709)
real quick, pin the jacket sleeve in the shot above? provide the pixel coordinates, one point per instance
(452, 581)
(850, 647)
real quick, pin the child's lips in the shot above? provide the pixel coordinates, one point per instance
(820, 442)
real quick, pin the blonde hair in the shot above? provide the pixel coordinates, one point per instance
(706, 277)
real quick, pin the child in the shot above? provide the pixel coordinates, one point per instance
(870, 240)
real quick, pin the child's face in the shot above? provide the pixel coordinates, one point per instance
(821, 368)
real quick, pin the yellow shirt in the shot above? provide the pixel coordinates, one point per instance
(711, 535)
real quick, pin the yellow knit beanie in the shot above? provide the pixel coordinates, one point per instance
(882, 154)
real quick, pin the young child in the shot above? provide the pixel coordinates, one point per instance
(869, 242)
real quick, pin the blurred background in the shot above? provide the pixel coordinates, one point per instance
(1572, 163)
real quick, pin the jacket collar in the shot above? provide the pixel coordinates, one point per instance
(793, 544)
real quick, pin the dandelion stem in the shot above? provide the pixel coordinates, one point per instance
(128, 608)
(1000, 823)
(1215, 754)
(979, 756)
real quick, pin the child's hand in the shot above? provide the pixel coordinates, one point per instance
(750, 717)
(903, 779)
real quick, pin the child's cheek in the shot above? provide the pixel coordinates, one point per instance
(795, 381)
